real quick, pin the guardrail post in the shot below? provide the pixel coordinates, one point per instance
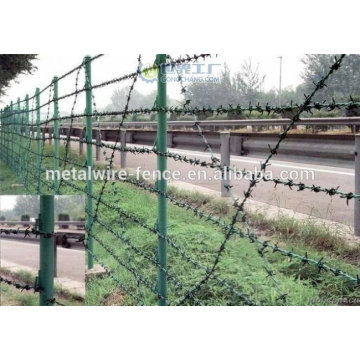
(236, 144)
(46, 226)
(357, 186)
(123, 146)
(89, 160)
(81, 142)
(161, 182)
(50, 133)
(225, 161)
(98, 145)
(38, 138)
(170, 140)
(56, 133)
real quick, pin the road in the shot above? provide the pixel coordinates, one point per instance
(307, 202)
(71, 262)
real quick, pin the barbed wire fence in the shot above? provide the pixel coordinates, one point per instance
(146, 272)
(44, 229)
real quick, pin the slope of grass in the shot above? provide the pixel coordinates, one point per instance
(240, 264)
(9, 183)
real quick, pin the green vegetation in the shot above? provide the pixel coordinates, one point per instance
(11, 296)
(12, 65)
(9, 183)
(240, 264)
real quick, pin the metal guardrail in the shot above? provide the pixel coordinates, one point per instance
(14, 222)
(345, 121)
(214, 124)
(339, 147)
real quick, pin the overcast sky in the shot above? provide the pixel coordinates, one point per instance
(7, 202)
(115, 65)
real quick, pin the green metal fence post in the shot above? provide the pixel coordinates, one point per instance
(89, 159)
(28, 140)
(161, 182)
(4, 130)
(46, 273)
(12, 135)
(56, 132)
(18, 131)
(8, 133)
(5, 134)
(1, 134)
(38, 139)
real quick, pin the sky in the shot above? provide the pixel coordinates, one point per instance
(116, 65)
(7, 202)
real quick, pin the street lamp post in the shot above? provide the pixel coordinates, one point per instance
(280, 58)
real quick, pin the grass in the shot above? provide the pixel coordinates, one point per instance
(240, 264)
(9, 182)
(10, 296)
(291, 231)
(206, 202)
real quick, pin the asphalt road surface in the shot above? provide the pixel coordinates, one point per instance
(307, 202)
(325, 174)
(71, 262)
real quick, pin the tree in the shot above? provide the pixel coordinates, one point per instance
(119, 99)
(248, 82)
(212, 93)
(243, 87)
(74, 205)
(137, 100)
(26, 205)
(13, 65)
(342, 84)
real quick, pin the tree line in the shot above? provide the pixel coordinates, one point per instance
(246, 86)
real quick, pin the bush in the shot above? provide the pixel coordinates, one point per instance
(64, 217)
(353, 111)
(325, 114)
(205, 116)
(138, 117)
